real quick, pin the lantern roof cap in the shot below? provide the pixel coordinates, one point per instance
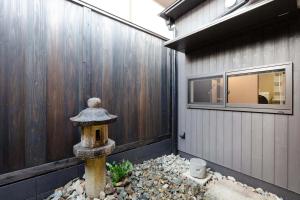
(94, 114)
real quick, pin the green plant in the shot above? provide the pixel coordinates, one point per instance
(119, 171)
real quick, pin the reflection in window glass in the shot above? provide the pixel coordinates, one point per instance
(267, 87)
(206, 90)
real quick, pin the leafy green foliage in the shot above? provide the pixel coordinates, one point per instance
(119, 171)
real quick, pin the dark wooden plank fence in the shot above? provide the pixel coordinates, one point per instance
(54, 55)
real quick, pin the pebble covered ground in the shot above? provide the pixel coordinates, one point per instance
(159, 178)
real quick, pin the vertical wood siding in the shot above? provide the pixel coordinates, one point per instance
(54, 55)
(265, 146)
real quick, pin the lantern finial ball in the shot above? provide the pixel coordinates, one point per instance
(94, 102)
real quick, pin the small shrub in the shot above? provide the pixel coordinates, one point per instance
(119, 171)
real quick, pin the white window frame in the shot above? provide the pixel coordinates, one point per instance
(287, 108)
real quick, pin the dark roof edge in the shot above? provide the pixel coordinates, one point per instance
(179, 8)
(163, 13)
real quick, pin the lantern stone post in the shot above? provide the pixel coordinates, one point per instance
(95, 144)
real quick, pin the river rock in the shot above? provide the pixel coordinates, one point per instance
(231, 178)
(259, 191)
(102, 195)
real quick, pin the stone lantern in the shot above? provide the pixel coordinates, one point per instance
(95, 144)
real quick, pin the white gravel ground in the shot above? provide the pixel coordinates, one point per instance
(163, 178)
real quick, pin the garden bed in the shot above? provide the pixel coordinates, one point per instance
(163, 178)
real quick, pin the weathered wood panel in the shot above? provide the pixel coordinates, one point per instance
(246, 143)
(189, 130)
(281, 151)
(237, 141)
(293, 121)
(54, 55)
(220, 138)
(228, 139)
(3, 138)
(199, 136)
(257, 148)
(206, 135)
(15, 17)
(35, 86)
(194, 132)
(268, 148)
(212, 136)
(265, 146)
(64, 60)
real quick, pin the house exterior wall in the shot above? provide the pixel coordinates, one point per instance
(264, 146)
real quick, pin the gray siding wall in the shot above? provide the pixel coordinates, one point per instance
(265, 146)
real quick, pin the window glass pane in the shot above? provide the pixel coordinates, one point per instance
(257, 88)
(206, 90)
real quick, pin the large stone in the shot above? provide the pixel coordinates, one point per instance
(197, 168)
(231, 178)
(109, 189)
(78, 187)
(218, 176)
(259, 191)
(102, 195)
(229, 190)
